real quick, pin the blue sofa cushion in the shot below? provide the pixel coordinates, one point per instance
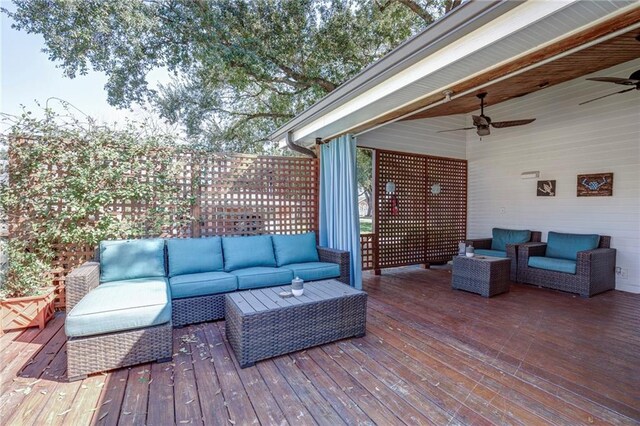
(313, 271)
(202, 284)
(553, 264)
(567, 246)
(262, 277)
(130, 259)
(120, 305)
(298, 248)
(502, 237)
(493, 253)
(247, 252)
(194, 255)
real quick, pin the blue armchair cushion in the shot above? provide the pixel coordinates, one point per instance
(553, 264)
(202, 284)
(502, 237)
(194, 255)
(314, 271)
(493, 253)
(247, 252)
(298, 248)
(119, 306)
(567, 246)
(130, 259)
(262, 277)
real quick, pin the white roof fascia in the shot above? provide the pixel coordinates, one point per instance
(504, 25)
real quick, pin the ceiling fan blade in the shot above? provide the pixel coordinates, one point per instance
(455, 130)
(605, 96)
(512, 123)
(616, 80)
(480, 120)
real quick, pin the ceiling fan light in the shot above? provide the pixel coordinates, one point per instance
(483, 130)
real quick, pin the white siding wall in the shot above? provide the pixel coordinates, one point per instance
(566, 140)
(420, 137)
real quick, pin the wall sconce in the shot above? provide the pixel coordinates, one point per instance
(436, 188)
(530, 175)
(390, 187)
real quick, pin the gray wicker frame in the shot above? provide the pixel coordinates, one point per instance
(512, 250)
(486, 278)
(595, 270)
(279, 330)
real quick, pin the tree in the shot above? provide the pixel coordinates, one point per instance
(364, 175)
(240, 68)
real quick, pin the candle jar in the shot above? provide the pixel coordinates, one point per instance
(297, 286)
(470, 251)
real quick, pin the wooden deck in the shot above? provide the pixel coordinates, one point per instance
(431, 356)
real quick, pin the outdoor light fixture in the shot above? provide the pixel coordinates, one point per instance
(436, 188)
(447, 95)
(483, 130)
(530, 175)
(390, 187)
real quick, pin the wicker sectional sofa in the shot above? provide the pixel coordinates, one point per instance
(121, 309)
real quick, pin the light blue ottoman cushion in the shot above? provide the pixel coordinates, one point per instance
(492, 253)
(202, 284)
(502, 237)
(130, 259)
(567, 246)
(553, 264)
(194, 255)
(298, 248)
(262, 277)
(313, 271)
(247, 252)
(120, 305)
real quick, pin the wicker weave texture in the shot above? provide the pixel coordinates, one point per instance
(341, 257)
(479, 275)
(279, 330)
(81, 281)
(595, 270)
(86, 355)
(193, 310)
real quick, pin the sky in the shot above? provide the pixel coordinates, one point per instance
(27, 75)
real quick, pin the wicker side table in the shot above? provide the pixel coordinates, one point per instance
(483, 275)
(260, 324)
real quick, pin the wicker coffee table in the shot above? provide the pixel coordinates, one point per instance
(260, 324)
(483, 275)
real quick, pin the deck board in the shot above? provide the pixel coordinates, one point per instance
(431, 355)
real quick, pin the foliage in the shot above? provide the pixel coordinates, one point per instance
(240, 68)
(364, 175)
(67, 178)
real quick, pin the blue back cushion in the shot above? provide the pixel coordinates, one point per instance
(567, 246)
(298, 248)
(502, 237)
(247, 252)
(131, 259)
(194, 255)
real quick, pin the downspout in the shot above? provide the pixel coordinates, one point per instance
(302, 150)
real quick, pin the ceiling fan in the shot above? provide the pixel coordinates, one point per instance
(633, 80)
(482, 122)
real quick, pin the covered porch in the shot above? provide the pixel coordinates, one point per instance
(432, 355)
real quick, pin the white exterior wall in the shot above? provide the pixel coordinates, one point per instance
(564, 141)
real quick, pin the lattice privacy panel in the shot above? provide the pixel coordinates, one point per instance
(368, 251)
(425, 226)
(228, 194)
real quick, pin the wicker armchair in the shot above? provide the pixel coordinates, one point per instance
(512, 250)
(595, 269)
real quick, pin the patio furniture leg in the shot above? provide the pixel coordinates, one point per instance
(78, 377)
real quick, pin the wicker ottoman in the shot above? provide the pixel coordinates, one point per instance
(260, 324)
(483, 275)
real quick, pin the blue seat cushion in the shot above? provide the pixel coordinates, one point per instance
(494, 253)
(502, 237)
(119, 306)
(313, 271)
(262, 277)
(247, 252)
(298, 248)
(130, 259)
(202, 284)
(194, 255)
(553, 264)
(567, 246)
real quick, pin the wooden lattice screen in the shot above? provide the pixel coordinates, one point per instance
(426, 226)
(232, 195)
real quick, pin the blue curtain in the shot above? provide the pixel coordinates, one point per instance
(339, 222)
